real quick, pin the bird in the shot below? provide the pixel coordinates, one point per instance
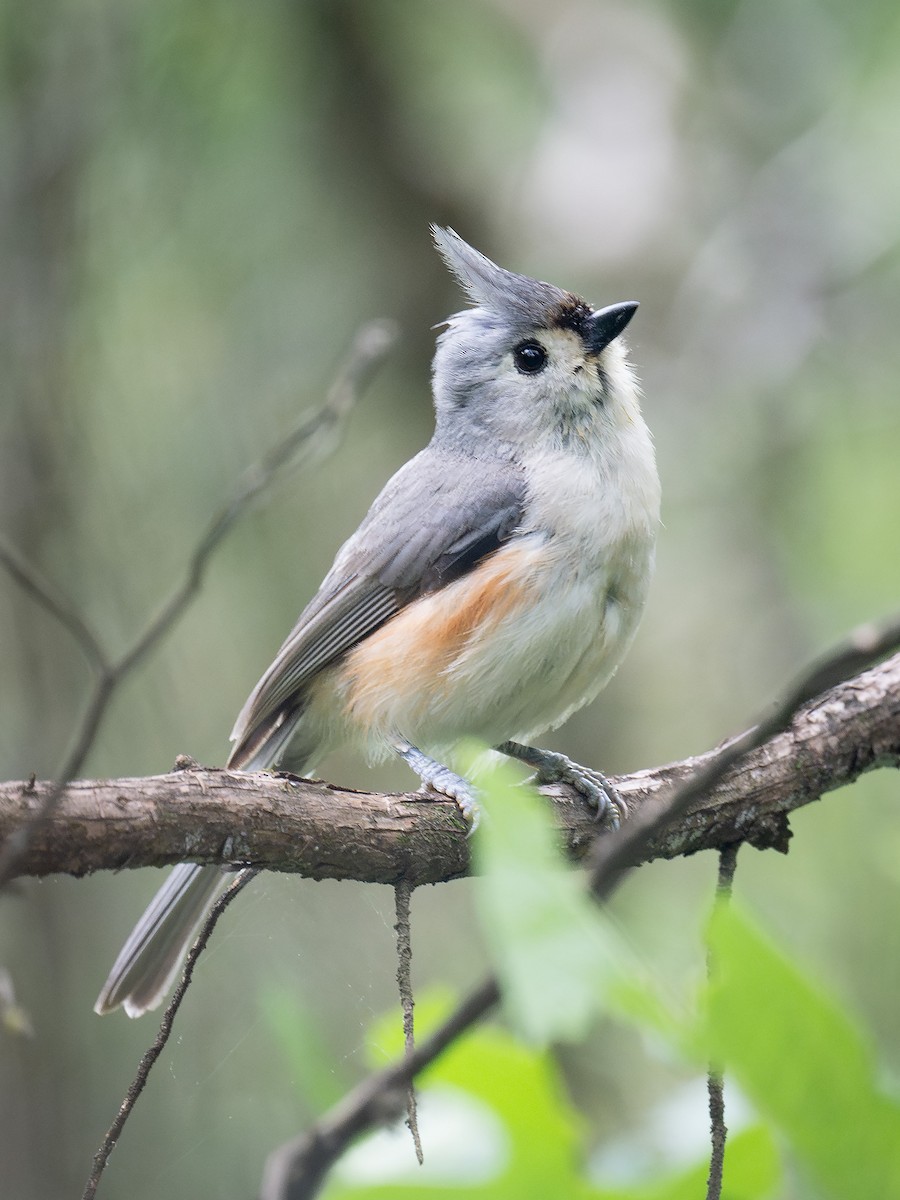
(491, 590)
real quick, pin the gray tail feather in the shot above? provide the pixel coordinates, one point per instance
(149, 960)
(262, 745)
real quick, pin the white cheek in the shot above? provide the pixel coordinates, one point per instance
(541, 394)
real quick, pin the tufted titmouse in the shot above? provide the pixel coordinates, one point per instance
(491, 590)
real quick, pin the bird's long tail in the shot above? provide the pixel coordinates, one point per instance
(149, 960)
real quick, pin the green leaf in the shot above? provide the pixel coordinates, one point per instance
(802, 1061)
(557, 955)
(540, 1131)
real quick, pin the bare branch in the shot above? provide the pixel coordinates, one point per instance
(715, 1083)
(288, 824)
(50, 598)
(17, 840)
(402, 897)
(309, 438)
(866, 644)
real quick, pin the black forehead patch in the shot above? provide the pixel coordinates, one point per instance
(573, 314)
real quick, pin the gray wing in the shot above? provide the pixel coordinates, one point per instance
(435, 520)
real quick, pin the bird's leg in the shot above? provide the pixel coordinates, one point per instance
(557, 768)
(441, 779)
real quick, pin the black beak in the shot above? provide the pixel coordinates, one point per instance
(606, 324)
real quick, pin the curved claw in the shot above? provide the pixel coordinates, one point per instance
(613, 808)
(441, 779)
(553, 767)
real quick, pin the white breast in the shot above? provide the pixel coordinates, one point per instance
(599, 511)
(514, 647)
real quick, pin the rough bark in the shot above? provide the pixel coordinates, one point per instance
(286, 824)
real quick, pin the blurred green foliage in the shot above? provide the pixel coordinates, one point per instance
(517, 1133)
(199, 202)
(804, 1063)
(503, 1126)
(559, 960)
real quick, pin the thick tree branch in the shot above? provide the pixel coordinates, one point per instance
(286, 824)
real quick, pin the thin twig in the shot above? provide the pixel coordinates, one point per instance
(715, 1084)
(308, 438)
(296, 1170)
(152, 1053)
(718, 1131)
(862, 647)
(59, 606)
(47, 596)
(402, 896)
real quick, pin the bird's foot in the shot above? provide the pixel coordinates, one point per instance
(441, 779)
(552, 767)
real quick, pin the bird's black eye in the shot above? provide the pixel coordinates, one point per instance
(530, 357)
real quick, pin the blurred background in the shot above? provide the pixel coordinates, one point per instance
(200, 201)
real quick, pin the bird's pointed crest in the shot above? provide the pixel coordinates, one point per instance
(503, 292)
